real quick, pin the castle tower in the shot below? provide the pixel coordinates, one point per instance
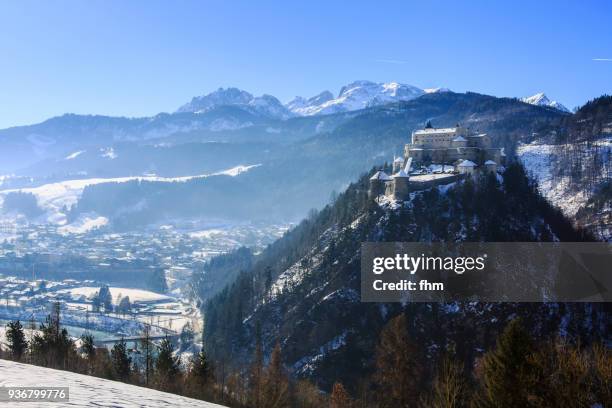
(397, 164)
(378, 184)
(490, 166)
(401, 185)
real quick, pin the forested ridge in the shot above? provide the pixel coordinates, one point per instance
(302, 292)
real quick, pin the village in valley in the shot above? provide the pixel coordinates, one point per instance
(112, 285)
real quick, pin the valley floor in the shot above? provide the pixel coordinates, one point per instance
(87, 391)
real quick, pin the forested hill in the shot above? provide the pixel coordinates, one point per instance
(303, 290)
(588, 123)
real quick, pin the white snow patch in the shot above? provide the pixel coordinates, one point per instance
(136, 295)
(83, 224)
(88, 391)
(235, 171)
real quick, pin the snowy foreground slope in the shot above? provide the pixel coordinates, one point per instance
(87, 391)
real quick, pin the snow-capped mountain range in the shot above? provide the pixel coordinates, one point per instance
(354, 96)
(540, 99)
(266, 105)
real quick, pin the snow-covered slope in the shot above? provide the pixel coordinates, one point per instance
(354, 96)
(307, 107)
(266, 105)
(436, 90)
(540, 99)
(87, 391)
(570, 176)
(537, 159)
(54, 198)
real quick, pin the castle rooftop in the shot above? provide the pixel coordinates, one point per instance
(380, 175)
(434, 130)
(400, 174)
(467, 163)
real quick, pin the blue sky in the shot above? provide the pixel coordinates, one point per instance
(135, 58)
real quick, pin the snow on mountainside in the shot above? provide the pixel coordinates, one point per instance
(354, 96)
(573, 185)
(87, 391)
(307, 107)
(436, 90)
(266, 105)
(54, 198)
(540, 99)
(537, 159)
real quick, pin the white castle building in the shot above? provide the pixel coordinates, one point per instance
(453, 153)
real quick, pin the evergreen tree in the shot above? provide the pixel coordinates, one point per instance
(103, 366)
(121, 361)
(124, 305)
(105, 298)
(568, 375)
(53, 347)
(157, 281)
(398, 367)
(201, 370)
(167, 367)
(15, 338)
(449, 389)
(256, 374)
(339, 397)
(602, 371)
(508, 369)
(307, 395)
(187, 336)
(147, 353)
(89, 350)
(276, 384)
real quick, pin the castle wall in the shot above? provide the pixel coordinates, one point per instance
(401, 188)
(479, 155)
(377, 187)
(428, 181)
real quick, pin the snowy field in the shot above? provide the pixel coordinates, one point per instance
(136, 295)
(87, 391)
(54, 197)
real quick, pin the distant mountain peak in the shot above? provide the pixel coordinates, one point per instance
(308, 106)
(267, 105)
(356, 95)
(540, 99)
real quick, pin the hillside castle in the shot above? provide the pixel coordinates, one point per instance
(437, 156)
